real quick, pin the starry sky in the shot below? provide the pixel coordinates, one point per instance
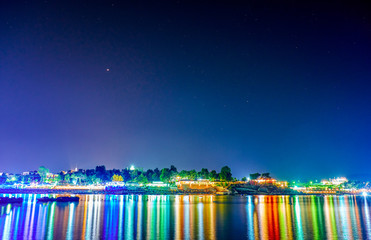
(260, 86)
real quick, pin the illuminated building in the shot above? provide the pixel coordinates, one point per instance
(194, 184)
(262, 180)
(334, 181)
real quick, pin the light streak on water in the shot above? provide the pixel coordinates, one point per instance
(17, 221)
(51, 221)
(186, 231)
(298, 223)
(70, 221)
(200, 224)
(367, 218)
(250, 218)
(89, 219)
(129, 217)
(7, 225)
(121, 212)
(344, 218)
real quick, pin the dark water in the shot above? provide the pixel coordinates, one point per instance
(189, 217)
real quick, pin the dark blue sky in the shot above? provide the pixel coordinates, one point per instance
(283, 88)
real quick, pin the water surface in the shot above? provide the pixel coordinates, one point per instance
(188, 217)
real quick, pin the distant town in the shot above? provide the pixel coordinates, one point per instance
(133, 180)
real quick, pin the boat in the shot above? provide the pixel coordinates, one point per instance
(6, 200)
(46, 199)
(68, 199)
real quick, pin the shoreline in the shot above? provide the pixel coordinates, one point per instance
(153, 192)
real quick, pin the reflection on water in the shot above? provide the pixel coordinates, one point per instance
(188, 217)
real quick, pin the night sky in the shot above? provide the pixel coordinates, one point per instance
(260, 87)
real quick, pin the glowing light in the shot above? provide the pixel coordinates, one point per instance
(8, 221)
(132, 168)
(364, 194)
(70, 221)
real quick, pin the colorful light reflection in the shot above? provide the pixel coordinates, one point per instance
(189, 217)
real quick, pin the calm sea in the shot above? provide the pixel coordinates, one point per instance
(188, 217)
